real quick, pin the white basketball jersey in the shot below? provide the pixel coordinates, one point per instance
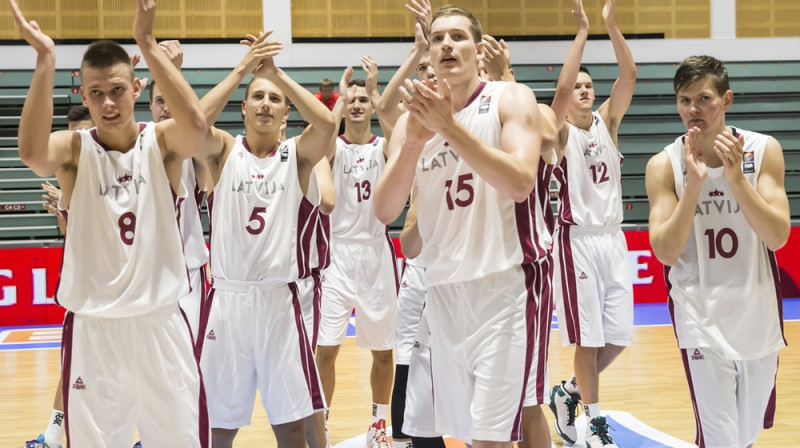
(257, 212)
(194, 242)
(469, 229)
(589, 177)
(356, 171)
(725, 288)
(123, 254)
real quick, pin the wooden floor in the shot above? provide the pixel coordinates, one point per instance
(647, 381)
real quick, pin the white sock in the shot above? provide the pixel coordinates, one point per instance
(55, 429)
(379, 412)
(401, 443)
(571, 385)
(591, 410)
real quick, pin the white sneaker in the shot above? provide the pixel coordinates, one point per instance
(597, 434)
(376, 436)
(565, 408)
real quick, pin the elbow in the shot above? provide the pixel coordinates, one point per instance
(327, 205)
(666, 256)
(523, 189)
(384, 213)
(779, 240)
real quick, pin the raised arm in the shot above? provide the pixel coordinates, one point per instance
(186, 133)
(370, 68)
(389, 108)
(571, 67)
(345, 94)
(314, 143)
(671, 218)
(614, 108)
(43, 152)
(511, 168)
(766, 206)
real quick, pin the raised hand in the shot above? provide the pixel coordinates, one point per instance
(345, 93)
(496, 57)
(422, 13)
(730, 150)
(51, 204)
(260, 50)
(609, 11)
(433, 109)
(31, 31)
(696, 169)
(174, 51)
(370, 68)
(263, 52)
(580, 15)
(144, 20)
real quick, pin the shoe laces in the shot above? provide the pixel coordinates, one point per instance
(572, 406)
(601, 431)
(381, 440)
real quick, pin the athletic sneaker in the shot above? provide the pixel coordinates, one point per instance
(597, 434)
(38, 443)
(137, 445)
(565, 408)
(376, 436)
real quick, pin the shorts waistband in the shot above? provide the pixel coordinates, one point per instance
(594, 230)
(222, 284)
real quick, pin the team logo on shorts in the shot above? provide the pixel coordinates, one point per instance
(583, 276)
(697, 356)
(404, 284)
(211, 336)
(485, 102)
(78, 384)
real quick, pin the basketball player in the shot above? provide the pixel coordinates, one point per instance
(78, 117)
(479, 142)
(123, 331)
(262, 195)
(718, 213)
(362, 273)
(592, 289)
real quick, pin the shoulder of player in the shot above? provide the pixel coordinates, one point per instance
(516, 98)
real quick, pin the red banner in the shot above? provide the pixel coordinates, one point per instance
(28, 278)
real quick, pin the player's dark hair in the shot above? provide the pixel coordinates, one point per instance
(696, 68)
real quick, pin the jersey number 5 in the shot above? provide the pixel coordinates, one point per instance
(462, 185)
(259, 221)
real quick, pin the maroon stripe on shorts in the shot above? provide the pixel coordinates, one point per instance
(66, 366)
(202, 324)
(545, 292)
(569, 287)
(323, 241)
(565, 206)
(306, 354)
(317, 307)
(531, 313)
(305, 224)
(699, 440)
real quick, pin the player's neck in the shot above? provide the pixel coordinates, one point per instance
(463, 90)
(121, 139)
(706, 141)
(263, 144)
(580, 119)
(358, 133)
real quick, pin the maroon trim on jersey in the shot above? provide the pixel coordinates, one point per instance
(306, 222)
(177, 201)
(66, 366)
(348, 142)
(564, 205)
(475, 94)
(529, 238)
(543, 194)
(61, 267)
(202, 324)
(323, 241)
(199, 195)
(699, 438)
(569, 287)
(247, 147)
(394, 262)
(306, 354)
(96, 137)
(210, 202)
